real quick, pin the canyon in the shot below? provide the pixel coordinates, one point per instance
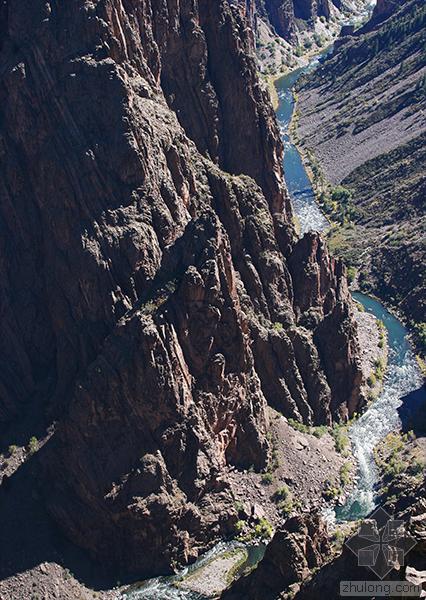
(155, 297)
(167, 335)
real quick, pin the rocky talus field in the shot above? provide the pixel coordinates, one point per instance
(363, 126)
(288, 31)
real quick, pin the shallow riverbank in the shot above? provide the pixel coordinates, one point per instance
(273, 94)
(214, 577)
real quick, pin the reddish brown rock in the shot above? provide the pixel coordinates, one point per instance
(147, 292)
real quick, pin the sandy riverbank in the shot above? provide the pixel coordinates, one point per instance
(214, 577)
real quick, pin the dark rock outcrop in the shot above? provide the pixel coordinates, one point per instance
(147, 253)
(289, 16)
(300, 546)
(297, 560)
(282, 17)
(383, 9)
(410, 509)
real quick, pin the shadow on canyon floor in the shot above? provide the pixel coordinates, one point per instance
(30, 537)
(412, 412)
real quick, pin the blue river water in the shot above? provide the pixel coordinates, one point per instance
(297, 181)
(166, 588)
(403, 388)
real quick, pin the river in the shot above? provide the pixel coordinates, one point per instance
(166, 588)
(403, 384)
(297, 180)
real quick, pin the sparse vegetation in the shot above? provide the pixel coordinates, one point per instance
(338, 539)
(351, 274)
(286, 507)
(371, 380)
(245, 532)
(345, 474)
(12, 449)
(32, 446)
(267, 478)
(341, 438)
(317, 431)
(299, 426)
(420, 334)
(282, 493)
(394, 457)
(239, 526)
(331, 490)
(264, 529)
(379, 367)
(283, 498)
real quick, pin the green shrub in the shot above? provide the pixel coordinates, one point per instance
(12, 449)
(275, 460)
(395, 467)
(264, 529)
(267, 478)
(299, 426)
(341, 438)
(351, 274)
(318, 40)
(331, 491)
(372, 380)
(239, 526)
(338, 539)
(341, 195)
(286, 506)
(345, 474)
(319, 431)
(32, 445)
(379, 369)
(282, 493)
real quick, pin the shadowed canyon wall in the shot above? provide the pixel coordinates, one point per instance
(154, 294)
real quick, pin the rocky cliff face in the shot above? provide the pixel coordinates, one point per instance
(284, 15)
(295, 550)
(300, 563)
(153, 292)
(383, 9)
(289, 17)
(410, 509)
